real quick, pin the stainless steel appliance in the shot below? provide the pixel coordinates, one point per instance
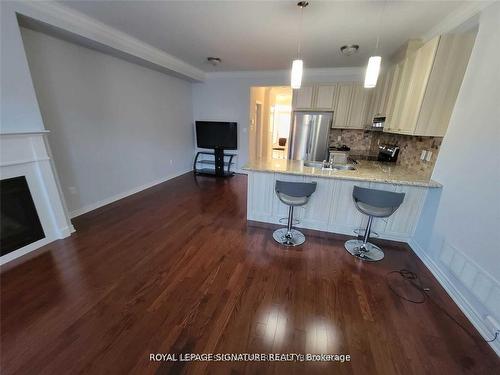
(378, 123)
(309, 136)
(388, 153)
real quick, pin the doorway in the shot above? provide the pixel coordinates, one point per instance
(270, 119)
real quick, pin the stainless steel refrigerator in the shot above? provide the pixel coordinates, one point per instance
(309, 136)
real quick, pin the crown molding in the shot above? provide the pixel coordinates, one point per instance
(61, 17)
(312, 72)
(466, 12)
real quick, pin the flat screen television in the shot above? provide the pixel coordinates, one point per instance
(215, 134)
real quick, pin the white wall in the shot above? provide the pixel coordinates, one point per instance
(115, 126)
(19, 107)
(226, 96)
(459, 232)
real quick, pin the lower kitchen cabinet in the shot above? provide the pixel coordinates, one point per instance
(331, 207)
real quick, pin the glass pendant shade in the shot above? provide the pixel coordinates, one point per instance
(296, 79)
(372, 71)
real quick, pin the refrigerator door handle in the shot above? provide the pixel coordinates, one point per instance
(309, 140)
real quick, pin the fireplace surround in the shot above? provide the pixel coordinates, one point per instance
(26, 156)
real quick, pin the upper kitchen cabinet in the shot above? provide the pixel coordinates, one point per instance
(325, 97)
(358, 110)
(315, 97)
(351, 110)
(402, 95)
(348, 100)
(303, 97)
(341, 114)
(444, 83)
(379, 102)
(428, 86)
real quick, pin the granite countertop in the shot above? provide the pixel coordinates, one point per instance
(365, 171)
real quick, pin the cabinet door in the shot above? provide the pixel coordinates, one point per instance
(450, 63)
(303, 97)
(358, 107)
(316, 212)
(396, 121)
(386, 91)
(417, 84)
(395, 74)
(325, 97)
(377, 98)
(342, 106)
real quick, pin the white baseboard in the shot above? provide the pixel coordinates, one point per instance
(467, 308)
(114, 198)
(66, 232)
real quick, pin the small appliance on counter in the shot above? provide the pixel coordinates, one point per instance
(339, 154)
(388, 153)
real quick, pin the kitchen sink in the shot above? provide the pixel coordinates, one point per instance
(335, 167)
(343, 167)
(313, 164)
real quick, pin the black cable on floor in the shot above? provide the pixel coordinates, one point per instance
(413, 279)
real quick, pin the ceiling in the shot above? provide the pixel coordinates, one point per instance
(258, 35)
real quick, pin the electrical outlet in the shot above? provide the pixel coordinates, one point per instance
(428, 157)
(423, 154)
(72, 190)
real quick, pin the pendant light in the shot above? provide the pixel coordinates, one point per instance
(373, 68)
(298, 64)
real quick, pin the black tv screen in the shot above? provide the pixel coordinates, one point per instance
(214, 134)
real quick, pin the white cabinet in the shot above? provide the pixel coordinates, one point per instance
(331, 207)
(395, 72)
(341, 114)
(395, 122)
(379, 102)
(303, 97)
(419, 70)
(351, 106)
(444, 83)
(428, 86)
(358, 108)
(315, 97)
(325, 97)
(349, 101)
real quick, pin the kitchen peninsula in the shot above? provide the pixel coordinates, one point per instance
(331, 207)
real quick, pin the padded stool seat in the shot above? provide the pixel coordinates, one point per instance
(292, 201)
(373, 210)
(293, 194)
(374, 203)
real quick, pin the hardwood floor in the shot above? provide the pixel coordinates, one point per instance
(177, 269)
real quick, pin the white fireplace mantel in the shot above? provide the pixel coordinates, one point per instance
(26, 154)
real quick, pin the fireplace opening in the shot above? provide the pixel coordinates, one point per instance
(19, 221)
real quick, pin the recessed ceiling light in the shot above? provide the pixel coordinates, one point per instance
(349, 49)
(214, 60)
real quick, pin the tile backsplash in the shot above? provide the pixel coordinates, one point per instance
(365, 143)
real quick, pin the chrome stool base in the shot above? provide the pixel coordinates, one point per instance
(370, 253)
(295, 238)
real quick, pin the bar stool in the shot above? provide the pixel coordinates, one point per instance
(374, 203)
(293, 194)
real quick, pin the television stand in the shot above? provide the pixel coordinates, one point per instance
(218, 164)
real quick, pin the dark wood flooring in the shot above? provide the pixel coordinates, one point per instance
(177, 269)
